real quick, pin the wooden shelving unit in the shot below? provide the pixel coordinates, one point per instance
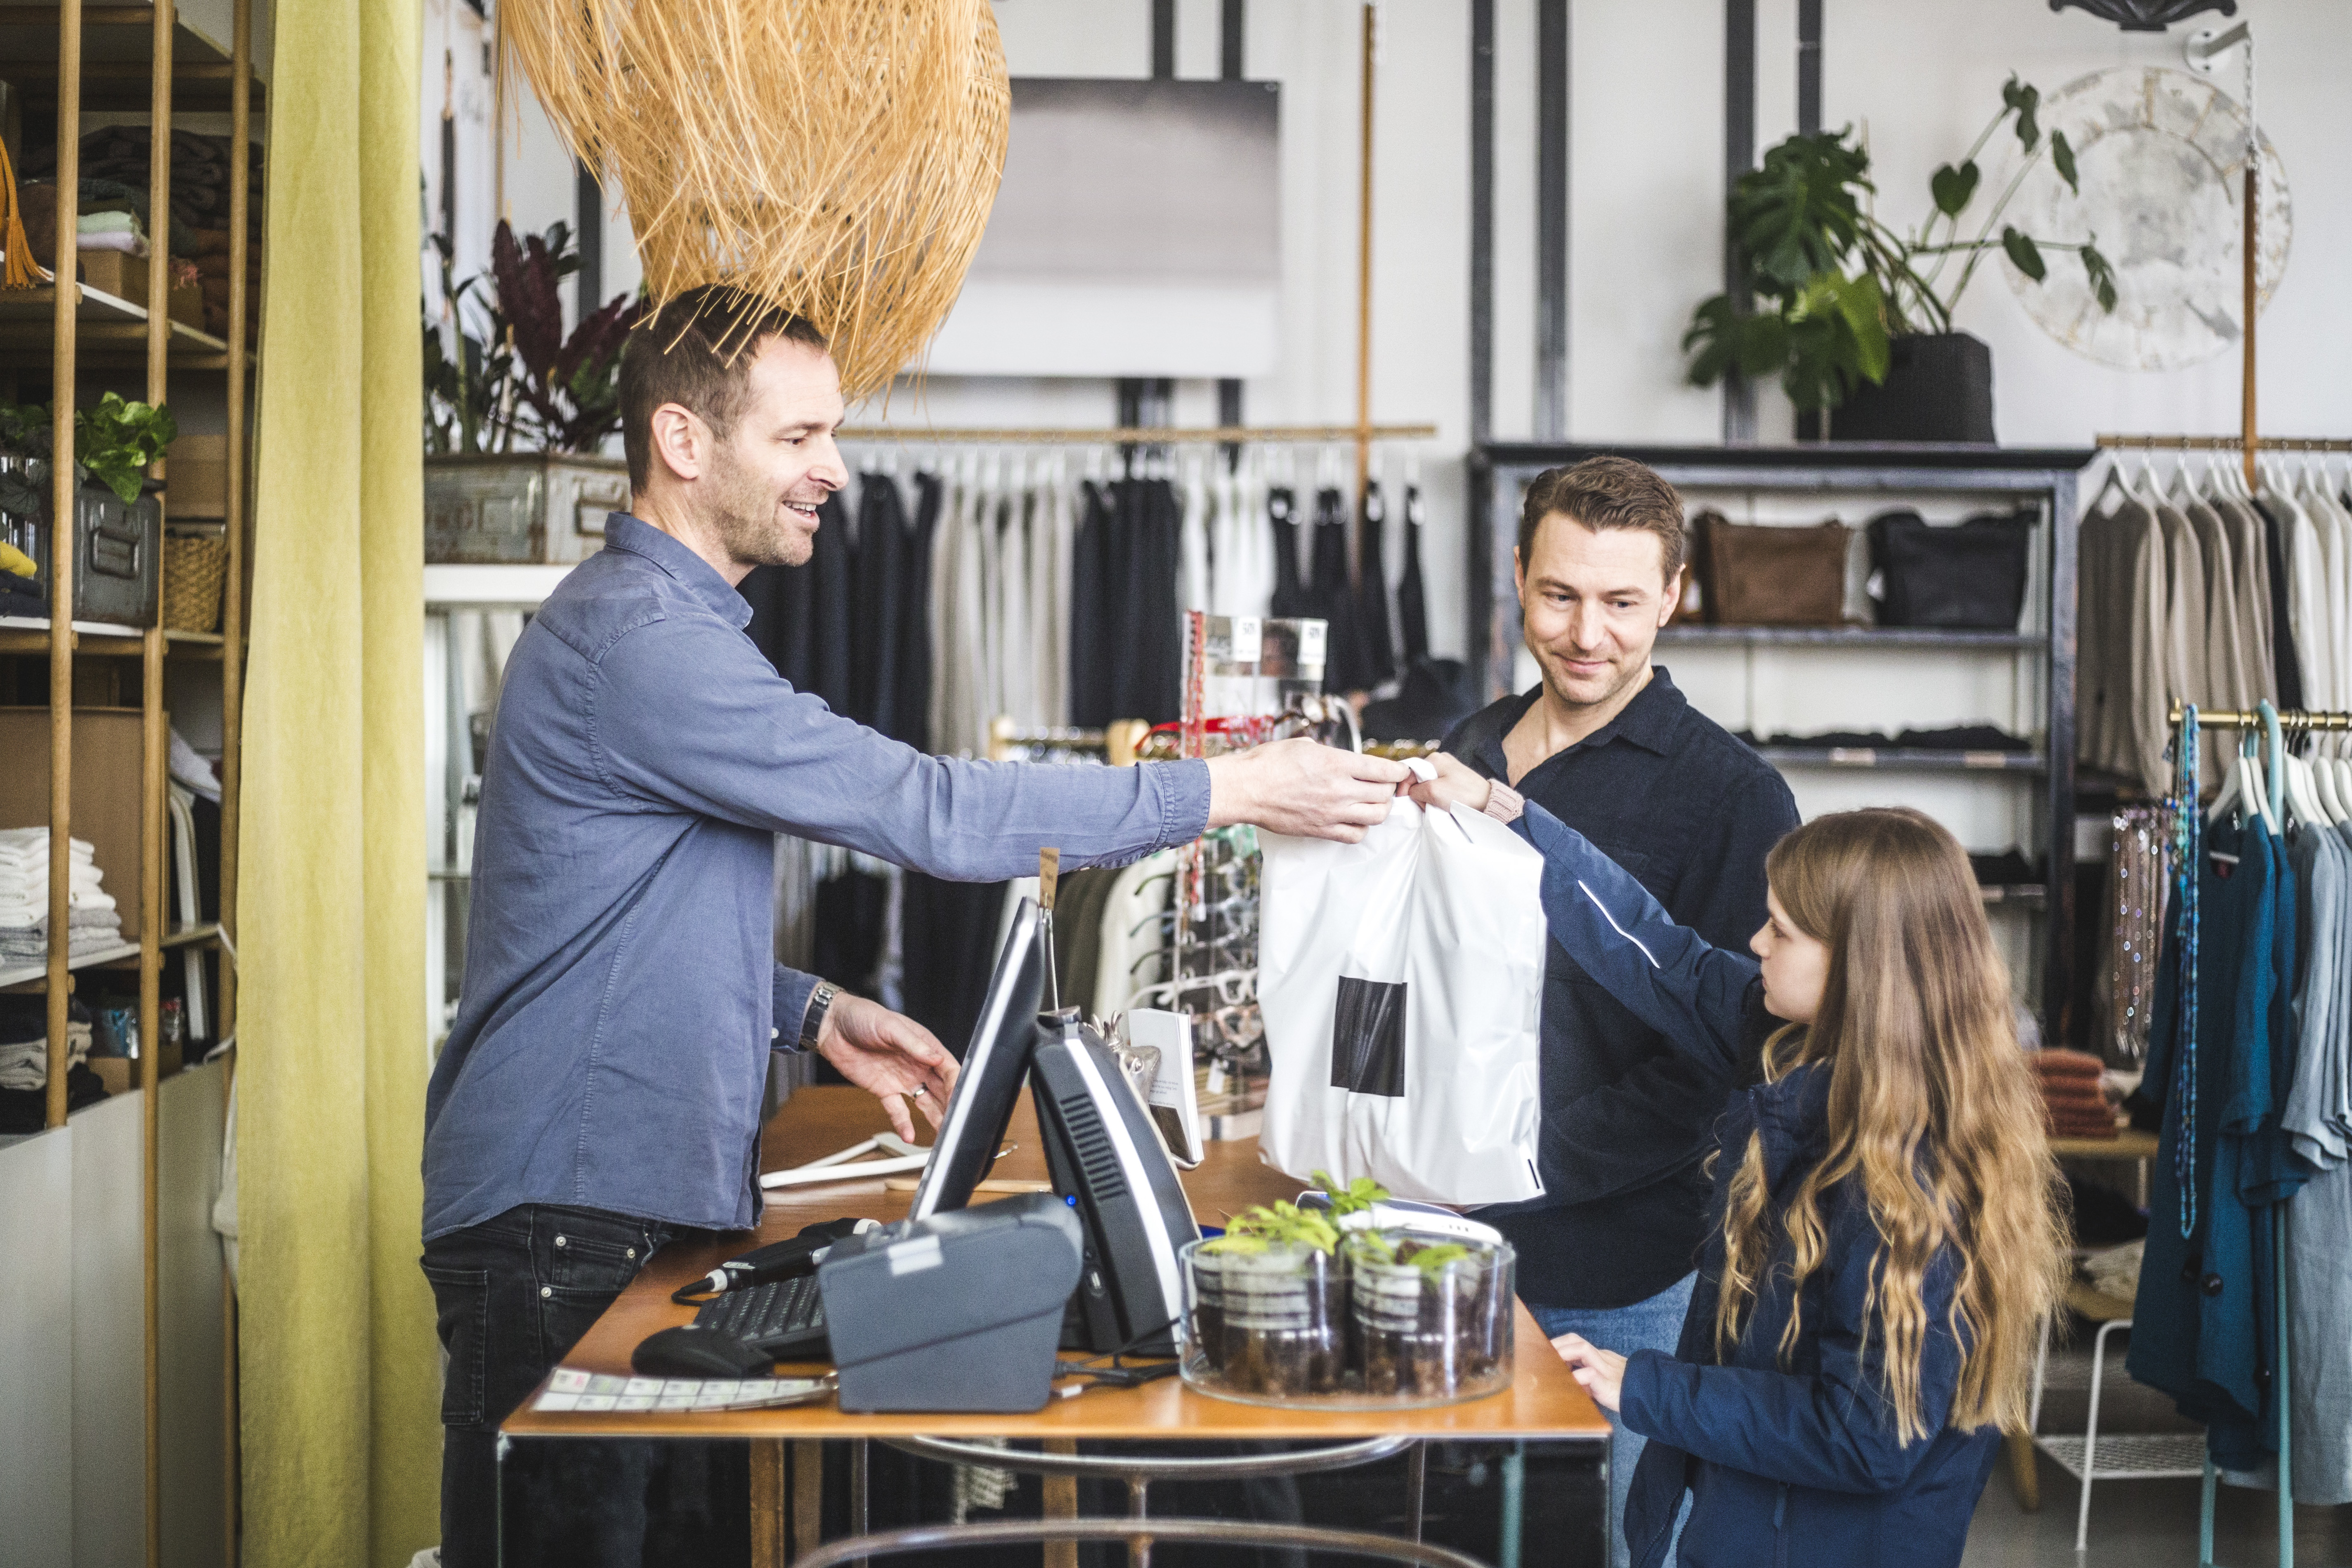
(67, 61)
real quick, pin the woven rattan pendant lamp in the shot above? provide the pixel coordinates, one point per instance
(836, 157)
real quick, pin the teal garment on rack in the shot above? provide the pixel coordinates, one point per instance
(2204, 1325)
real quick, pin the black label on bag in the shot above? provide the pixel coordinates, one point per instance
(1368, 1038)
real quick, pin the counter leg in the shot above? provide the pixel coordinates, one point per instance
(808, 1496)
(768, 1492)
(860, 1456)
(1139, 1505)
(1061, 1501)
(1416, 1488)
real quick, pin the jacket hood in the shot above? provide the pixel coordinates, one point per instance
(1792, 1113)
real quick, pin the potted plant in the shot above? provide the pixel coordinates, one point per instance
(1432, 1315)
(1856, 317)
(118, 525)
(1269, 1312)
(516, 413)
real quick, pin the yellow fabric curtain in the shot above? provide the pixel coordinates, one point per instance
(341, 1387)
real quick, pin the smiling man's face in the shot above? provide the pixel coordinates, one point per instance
(1592, 601)
(778, 462)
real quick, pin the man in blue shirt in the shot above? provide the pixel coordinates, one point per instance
(599, 1090)
(1607, 744)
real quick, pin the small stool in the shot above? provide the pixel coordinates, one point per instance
(2130, 1455)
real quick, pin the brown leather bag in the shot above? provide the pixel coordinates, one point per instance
(1753, 576)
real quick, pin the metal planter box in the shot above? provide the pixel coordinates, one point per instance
(519, 510)
(118, 557)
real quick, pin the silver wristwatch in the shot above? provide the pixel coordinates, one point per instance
(820, 1002)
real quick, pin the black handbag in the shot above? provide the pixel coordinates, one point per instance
(1970, 576)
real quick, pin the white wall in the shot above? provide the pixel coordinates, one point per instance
(1645, 160)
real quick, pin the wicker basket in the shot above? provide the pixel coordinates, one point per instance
(194, 567)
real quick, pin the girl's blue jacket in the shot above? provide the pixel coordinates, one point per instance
(1788, 1461)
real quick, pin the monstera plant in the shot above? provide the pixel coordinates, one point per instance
(1833, 290)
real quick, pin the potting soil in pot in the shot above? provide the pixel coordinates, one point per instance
(1436, 1322)
(1285, 1317)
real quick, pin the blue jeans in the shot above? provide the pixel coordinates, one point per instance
(1656, 1324)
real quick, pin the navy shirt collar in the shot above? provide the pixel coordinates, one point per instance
(1649, 721)
(691, 572)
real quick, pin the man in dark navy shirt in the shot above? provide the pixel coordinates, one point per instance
(1607, 745)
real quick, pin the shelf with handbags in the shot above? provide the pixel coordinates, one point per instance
(1925, 656)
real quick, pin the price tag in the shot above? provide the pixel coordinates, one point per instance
(1049, 873)
(1311, 635)
(1249, 639)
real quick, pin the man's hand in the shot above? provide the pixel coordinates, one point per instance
(1602, 1373)
(893, 1058)
(1454, 785)
(1303, 788)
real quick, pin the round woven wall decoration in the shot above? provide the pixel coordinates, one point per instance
(2162, 159)
(837, 157)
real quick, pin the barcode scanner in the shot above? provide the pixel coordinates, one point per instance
(777, 1260)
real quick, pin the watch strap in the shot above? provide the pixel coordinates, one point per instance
(1504, 804)
(820, 1002)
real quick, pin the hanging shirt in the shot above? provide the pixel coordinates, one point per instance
(2203, 1320)
(1192, 553)
(1413, 606)
(1372, 589)
(912, 706)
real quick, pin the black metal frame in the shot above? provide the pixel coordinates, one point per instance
(1551, 219)
(1498, 470)
(1738, 157)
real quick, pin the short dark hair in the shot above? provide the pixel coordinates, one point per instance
(696, 351)
(1607, 492)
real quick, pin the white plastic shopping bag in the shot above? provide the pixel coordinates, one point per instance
(1399, 979)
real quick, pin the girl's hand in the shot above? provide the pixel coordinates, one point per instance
(1454, 785)
(1602, 1373)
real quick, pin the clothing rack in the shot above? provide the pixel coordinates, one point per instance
(2227, 719)
(2222, 444)
(1137, 436)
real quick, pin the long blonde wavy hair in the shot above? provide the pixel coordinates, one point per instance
(1930, 1109)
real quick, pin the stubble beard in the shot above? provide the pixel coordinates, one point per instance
(749, 520)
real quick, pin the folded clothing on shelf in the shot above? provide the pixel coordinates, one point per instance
(2008, 868)
(2073, 1100)
(1951, 738)
(27, 1109)
(23, 1040)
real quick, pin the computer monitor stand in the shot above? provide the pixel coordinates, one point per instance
(1107, 1162)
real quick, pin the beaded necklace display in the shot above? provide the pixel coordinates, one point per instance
(2188, 824)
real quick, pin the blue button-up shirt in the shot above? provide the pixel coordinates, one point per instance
(621, 992)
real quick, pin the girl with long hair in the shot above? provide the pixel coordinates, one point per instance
(1885, 1235)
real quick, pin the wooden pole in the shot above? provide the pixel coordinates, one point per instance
(61, 552)
(155, 748)
(1372, 29)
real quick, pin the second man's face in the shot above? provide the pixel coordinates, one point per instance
(1592, 601)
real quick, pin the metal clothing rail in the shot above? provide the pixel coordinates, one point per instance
(2222, 444)
(1137, 436)
(2289, 719)
(2233, 719)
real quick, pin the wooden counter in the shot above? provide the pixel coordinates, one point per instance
(1543, 1401)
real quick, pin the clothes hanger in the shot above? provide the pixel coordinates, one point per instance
(2320, 775)
(2113, 484)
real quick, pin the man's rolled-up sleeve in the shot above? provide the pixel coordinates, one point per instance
(794, 990)
(740, 743)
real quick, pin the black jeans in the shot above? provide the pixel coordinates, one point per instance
(512, 1295)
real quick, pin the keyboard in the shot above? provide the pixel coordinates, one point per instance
(784, 1318)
